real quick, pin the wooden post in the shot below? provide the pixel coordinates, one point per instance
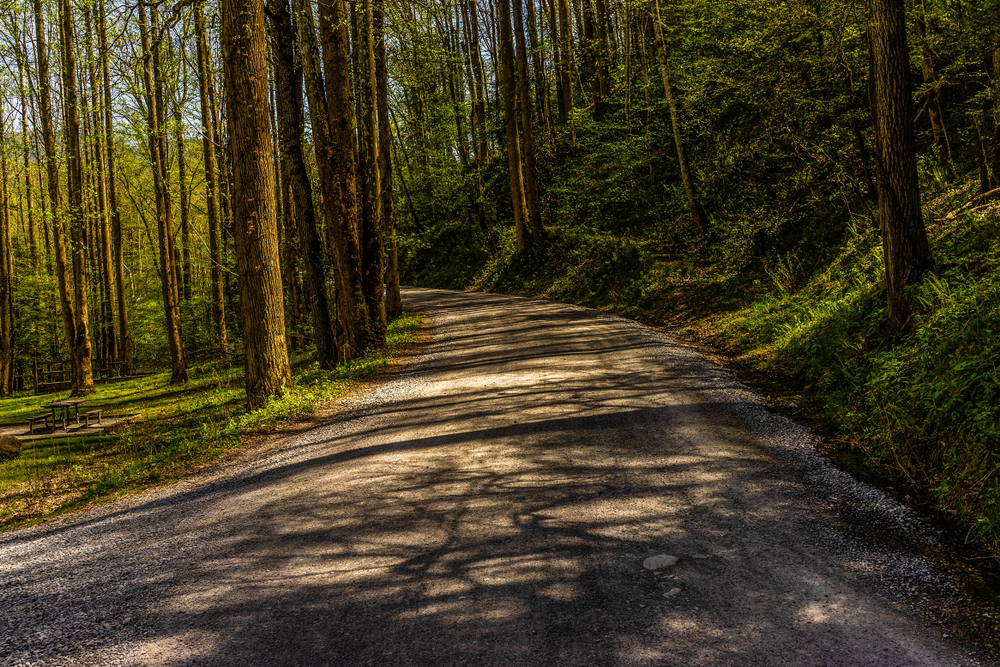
(34, 372)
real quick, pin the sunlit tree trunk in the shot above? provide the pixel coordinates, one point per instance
(211, 182)
(6, 276)
(530, 171)
(254, 217)
(904, 240)
(510, 124)
(80, 349)
(168, 272)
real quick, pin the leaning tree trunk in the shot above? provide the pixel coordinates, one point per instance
(697, 214)
(904, 239)
(255, 226)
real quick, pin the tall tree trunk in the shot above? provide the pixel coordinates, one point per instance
(180, 97)
(566, 48)
(211, 181)
(80, 349)
(373, 280)
(904, 240)
(254, 218)
(354, 327)
(6, 276)
(106, 266)
(541, 78)
(164, 216)
(532, 208)
(124, 333)
(479, 94)
(52, 177)
(694, 206)
(510, 123)
(22, 65)
(288, 83)
(393, 302)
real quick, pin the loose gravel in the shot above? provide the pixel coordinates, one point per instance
(495, 504)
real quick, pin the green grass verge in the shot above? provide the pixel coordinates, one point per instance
(182, 427)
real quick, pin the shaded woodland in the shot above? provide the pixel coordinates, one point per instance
(814, 179)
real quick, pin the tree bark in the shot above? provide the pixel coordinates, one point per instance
(904, 240)
(6, 277)
(211, 182)
(254, 218)
(530, 172)
(373, 279)
(168, 273)
(80, 348)
(934, 112)
(517, 198)
(288, 83)
(354, 327)
(393, 301)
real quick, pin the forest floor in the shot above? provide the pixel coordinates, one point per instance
(497, 502)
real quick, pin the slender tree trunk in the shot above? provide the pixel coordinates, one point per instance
(168, 273)
(510, 123)
(373, 280)
(254, 217)
(124, 334)
(904, 240)
(180, 97)
(538, 62)
(393, 302)
(532, 208)
(288, 80)
(6, 276)
(694, 206)
(354, 328)
(83, 378)
(938, 128)
(211, 182)
(22, 65)
(106, 266)
(566, 48)
(480, 84)
(52, 177)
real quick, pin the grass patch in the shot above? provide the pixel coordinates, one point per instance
(182, 427)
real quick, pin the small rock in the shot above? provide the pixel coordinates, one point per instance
(672, 592)
(659, 562)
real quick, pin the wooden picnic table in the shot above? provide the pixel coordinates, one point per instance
(65, 406)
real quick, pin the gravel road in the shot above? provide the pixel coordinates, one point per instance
(494, 504)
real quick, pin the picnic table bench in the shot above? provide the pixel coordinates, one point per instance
(42, 417)
(65, 406)
(96, 412)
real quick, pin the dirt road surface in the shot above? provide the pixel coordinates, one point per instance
(493, 504)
